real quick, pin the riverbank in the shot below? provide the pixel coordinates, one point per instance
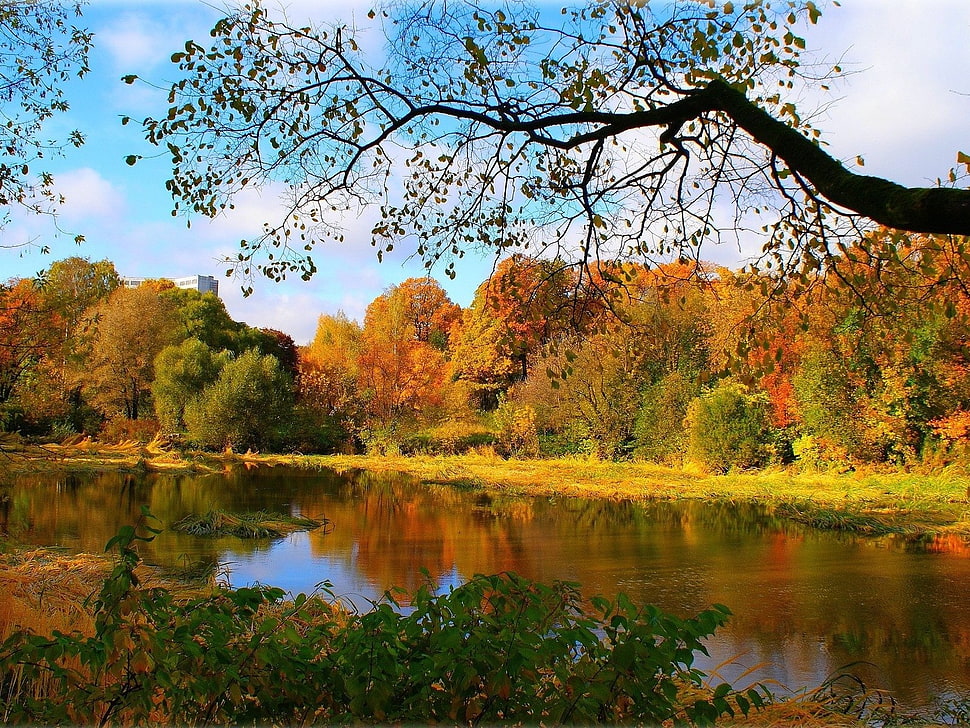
(917, 503)
(871, 502)
(483, 474)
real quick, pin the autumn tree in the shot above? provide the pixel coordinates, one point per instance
(401, 374)
(871, 384)
(525, 303)
(122, 336)
(327, 380)
(647, 324)
(28, 332)
(40, 50)
(336, 342)
(593, 401)
(613, 131)
(428, 310)
(73, 285)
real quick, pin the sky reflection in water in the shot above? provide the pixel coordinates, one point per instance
(805, 603)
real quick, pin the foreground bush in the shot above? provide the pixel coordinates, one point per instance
(499, 649)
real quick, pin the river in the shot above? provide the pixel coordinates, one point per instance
(806, 604)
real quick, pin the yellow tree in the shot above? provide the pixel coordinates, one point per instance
(327, 375)
(122, 336)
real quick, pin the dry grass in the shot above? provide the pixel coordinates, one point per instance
(246, 525)
(43, 591)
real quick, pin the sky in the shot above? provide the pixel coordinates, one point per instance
(904, 107)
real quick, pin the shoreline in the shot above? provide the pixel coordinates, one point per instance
(918, 503)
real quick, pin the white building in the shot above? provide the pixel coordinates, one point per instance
(202, 284)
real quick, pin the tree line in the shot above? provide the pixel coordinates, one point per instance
(82, 354)
(674, 363)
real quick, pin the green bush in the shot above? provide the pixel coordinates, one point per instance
(311, 431)
(834, 412)
(182, 373)
(729, 428)
(660, 433)
(497, 650)
(451, 438)
(249, 406)
(559, 444)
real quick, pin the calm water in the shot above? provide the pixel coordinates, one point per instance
(805, 603)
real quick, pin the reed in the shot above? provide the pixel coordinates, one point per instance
(259, 524)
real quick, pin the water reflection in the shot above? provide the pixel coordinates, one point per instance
(805, 603)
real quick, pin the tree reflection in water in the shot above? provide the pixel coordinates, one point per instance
(805, 603)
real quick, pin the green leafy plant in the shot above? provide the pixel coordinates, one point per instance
(497, 650)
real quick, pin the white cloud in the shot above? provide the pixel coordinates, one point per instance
(88, 195)
(135, 42)
(903, 107)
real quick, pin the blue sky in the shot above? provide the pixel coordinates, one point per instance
(905, 109)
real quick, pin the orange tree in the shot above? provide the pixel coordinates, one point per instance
(28, 332)
(524, 304)
(399, 371)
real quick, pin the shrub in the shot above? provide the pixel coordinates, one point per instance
(311, 431)
(659, 432)
(381, 440)
(450, 438)
(729, 428)
(516, 430)
(247, 407)
(498, 650)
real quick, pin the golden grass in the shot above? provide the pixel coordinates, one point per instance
(43, 591)
(914, 502)
(259, 524)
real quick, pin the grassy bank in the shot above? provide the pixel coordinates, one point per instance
(872, 502)
(913, 503)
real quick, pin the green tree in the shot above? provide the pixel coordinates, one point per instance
(203, 316)
(247, 407)
(660, 431)
(618, 126)
(729, 428)
(40, 50)
(181, 374)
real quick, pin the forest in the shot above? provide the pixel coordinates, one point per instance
(598, 153)
(675, 364)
